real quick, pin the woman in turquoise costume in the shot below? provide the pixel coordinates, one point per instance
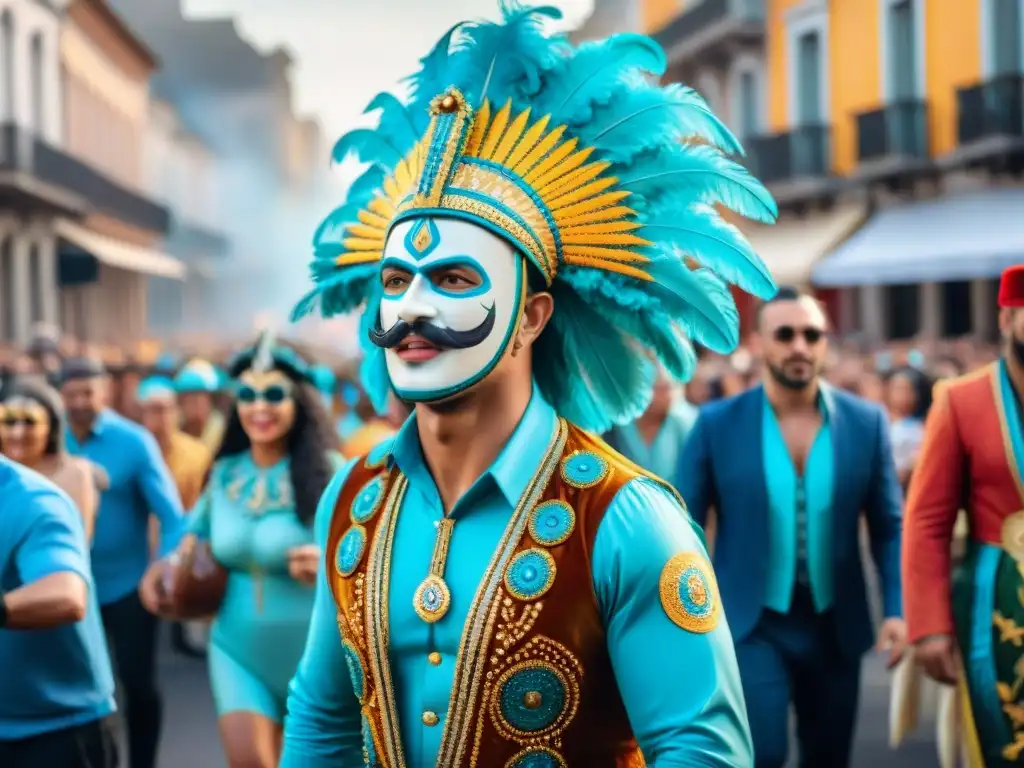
(500, 587)
(277, 456)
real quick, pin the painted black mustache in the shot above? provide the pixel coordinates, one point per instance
(444, 338)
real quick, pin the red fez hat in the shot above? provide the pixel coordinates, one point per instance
(1011, 287)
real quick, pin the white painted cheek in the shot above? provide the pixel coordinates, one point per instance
(417, 303)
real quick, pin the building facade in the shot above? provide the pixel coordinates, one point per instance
(107, 257)
(32, 190)
(271, 164)
(891, 133)
(181, 172)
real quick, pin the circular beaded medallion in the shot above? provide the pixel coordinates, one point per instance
(431, 599)
(537, 757)
(689, 592)
(552, 523)
(531, 698)
(367, 501)
(378, 455)
(350, 550)
(530, 574)
(354, 662)
(584, 469)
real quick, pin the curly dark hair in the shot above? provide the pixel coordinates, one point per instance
(311, 439)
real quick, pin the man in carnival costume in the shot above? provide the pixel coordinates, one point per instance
(508, 589)
(968, 628)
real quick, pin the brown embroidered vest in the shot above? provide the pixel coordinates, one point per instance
(533, 683)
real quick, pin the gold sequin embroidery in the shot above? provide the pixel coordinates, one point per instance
(689, 592)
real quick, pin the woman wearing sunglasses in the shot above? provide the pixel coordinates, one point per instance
(277, 455)
(32, 428)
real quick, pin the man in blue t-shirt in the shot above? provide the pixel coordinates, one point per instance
(57, 685)
(140, 484)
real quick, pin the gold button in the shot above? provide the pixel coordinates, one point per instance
(434, 658)
(532, 699)
(429, 718)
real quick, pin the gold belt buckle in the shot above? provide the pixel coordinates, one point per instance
(1013, 536)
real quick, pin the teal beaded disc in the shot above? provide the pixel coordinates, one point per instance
(584, 469)
(350, 550)
(369, 749)
(355, 669)
(530, 574)
(378, 455)
(552, 523)
(537, 757)
(367, 501)
(531, 697)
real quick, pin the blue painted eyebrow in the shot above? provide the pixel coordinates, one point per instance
(447, 262)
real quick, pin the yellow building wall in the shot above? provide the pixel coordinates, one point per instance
(952, 59)
(657, 13)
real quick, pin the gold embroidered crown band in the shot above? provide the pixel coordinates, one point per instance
(520, 180)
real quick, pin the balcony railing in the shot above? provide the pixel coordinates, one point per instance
(698, 18)
(992, 108)
(21, 150)
(802, 153)
(899, 129)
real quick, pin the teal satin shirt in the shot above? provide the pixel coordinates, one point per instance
(681, 690)
(798, 536)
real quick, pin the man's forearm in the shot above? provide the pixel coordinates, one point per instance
(52, 601)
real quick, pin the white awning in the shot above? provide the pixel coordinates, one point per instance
(118, 253)
(791, 247)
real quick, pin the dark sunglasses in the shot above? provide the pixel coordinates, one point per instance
(275, 394)
(26, 420)
(785, 334)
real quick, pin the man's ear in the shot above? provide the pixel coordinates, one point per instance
(536, 314)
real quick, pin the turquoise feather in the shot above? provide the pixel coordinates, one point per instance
(362, 190)
(592, 76)
(644, 117)
(698, 300)
(680, 175)
(700, 233)
(396, 125)
(333, 226)
(506, 60)
(430, 80)
(369, 146)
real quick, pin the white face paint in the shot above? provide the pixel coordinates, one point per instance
(449, 274)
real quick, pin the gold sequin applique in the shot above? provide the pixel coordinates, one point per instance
(689, 592)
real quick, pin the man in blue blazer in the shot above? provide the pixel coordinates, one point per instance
(789, 467)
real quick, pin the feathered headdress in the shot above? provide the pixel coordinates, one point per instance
(606, 182)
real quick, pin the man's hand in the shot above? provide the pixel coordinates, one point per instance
(937, 655)
(303, 563)
(892, 638)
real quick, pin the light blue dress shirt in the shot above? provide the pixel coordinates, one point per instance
(52, 678)
(800, 515)
(681, 690)
(140, 483)
(661, 456)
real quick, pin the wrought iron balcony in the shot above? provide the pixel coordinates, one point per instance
(23, 152)
(994, 108)
(710, 23)
(801, 153)
(899, 130)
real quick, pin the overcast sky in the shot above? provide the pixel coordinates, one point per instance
(349, 50)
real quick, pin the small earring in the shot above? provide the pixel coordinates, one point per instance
(516, 346)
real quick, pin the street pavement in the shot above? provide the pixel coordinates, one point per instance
(190, 728)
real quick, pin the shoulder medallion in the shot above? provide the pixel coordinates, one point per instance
(689, 592)
(584, 469)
